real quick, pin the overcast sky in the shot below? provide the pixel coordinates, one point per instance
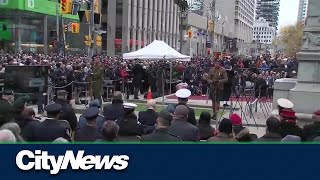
(288, 12)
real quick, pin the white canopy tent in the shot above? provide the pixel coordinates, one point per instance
(157, 50)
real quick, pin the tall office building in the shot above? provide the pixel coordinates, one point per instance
(303, 8)
(244, 18)
(133, 24)
(269, 10)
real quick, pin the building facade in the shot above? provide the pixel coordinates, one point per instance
(28, 25)
(269, 10)
(133, 24)
(302, 12)
(244, 18)
(263, 33)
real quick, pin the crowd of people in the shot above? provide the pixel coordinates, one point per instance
(119, 122)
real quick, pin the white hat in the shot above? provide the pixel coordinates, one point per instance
(285, 103)
(183, 93)
(129, 105)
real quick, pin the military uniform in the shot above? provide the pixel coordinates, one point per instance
(98, 83)
(88, 132)
(216, 78)
(161, 135)
(48, 130)
(6, 111)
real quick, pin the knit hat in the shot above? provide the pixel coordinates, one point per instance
(225, 126)
(181, 111)
(235, 119)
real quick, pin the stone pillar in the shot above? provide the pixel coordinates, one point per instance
(159, 36)
(126, 24)
(140, 19)
(150, 23)
(145, 23)
(111, 34)
(306, 94)
(155, 19)
(134, 24)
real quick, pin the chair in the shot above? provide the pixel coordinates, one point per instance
(108, 88)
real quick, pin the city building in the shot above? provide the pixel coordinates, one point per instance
(26, 25)
(263, 33)
(302, 12)
(269, 10)
(244, 18)
(133, 24)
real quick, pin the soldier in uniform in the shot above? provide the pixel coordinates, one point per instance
(6, 109)
(98, 80)
(48, 130)
(89, 132)
(216, 77)
(161, 134)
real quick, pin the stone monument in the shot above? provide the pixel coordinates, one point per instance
(306, 94)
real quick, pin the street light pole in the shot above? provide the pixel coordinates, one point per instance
(91, 31)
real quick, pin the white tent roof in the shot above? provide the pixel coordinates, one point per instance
(157, 50)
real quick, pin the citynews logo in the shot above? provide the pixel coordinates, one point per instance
(40, 160)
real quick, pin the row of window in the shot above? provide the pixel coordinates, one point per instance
(262, 33)
(262, 28)
(262, 37)
(265, 41)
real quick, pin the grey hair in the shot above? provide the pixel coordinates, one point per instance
(13, 127)
(60, 140)
(7, 136)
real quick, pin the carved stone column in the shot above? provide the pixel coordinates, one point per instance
(306, 94)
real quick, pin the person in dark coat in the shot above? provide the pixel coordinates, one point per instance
(148, 118)
(180, 127)
(99, 120)
(289, 124)
(227, 87)
(311, 131)
(115, 110)
(89, 132)
(183, 95)
(273, 129)
(161, 133)
(242, 134)
(48, 130)
(128, 123)
(6, 111)
(225, 132)
(138, 74)
(205, 129)
(67, 113)
(110, 130)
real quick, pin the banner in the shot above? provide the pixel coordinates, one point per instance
(159, 161)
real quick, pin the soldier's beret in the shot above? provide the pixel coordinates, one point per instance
(91, 113)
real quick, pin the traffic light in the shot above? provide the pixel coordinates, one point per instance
(211, 26)
(87, 40)
(98, 41)
(65, 6)
(190, 34)
(65, 28)
(75, 28)
(96, 6)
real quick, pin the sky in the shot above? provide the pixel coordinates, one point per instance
(288, 12)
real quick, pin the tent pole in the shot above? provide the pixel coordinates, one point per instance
(170, 77)
(163, 81)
